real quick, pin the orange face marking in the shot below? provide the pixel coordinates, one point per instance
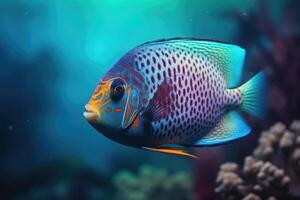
(118, 110)
(108, 110)
(136, 122)
(95, 104)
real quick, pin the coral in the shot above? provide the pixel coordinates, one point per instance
(273, 45)
(229, 181)
(271, 172)
(153, 183)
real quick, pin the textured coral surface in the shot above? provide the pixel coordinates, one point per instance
(153, 183)
(271, 172)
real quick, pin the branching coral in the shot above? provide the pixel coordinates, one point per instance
(271, 172)
(152, 183)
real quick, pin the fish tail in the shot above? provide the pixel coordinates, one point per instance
(254, 93)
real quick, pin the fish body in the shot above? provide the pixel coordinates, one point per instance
(183, 92)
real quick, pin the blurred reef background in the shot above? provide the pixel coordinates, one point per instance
(52, 54)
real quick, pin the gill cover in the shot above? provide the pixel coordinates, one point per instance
(132, 107)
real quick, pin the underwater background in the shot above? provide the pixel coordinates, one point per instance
(52, 55)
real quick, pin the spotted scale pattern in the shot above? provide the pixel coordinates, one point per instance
(198, 96)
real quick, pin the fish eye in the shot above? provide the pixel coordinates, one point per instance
(117, 89)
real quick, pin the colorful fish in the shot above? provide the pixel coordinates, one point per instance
(171, 94)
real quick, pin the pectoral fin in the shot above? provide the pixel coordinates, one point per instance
(168, 150)
(160, 105)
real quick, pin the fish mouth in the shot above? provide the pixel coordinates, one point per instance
(89, 114)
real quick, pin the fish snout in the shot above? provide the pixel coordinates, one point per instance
(90, 113)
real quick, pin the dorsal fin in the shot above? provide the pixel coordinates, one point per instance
(228, 57)
(174, 39)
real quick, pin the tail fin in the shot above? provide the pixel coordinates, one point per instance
(255, 95)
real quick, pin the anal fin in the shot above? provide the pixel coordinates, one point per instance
(168, 150)
(231, 127)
